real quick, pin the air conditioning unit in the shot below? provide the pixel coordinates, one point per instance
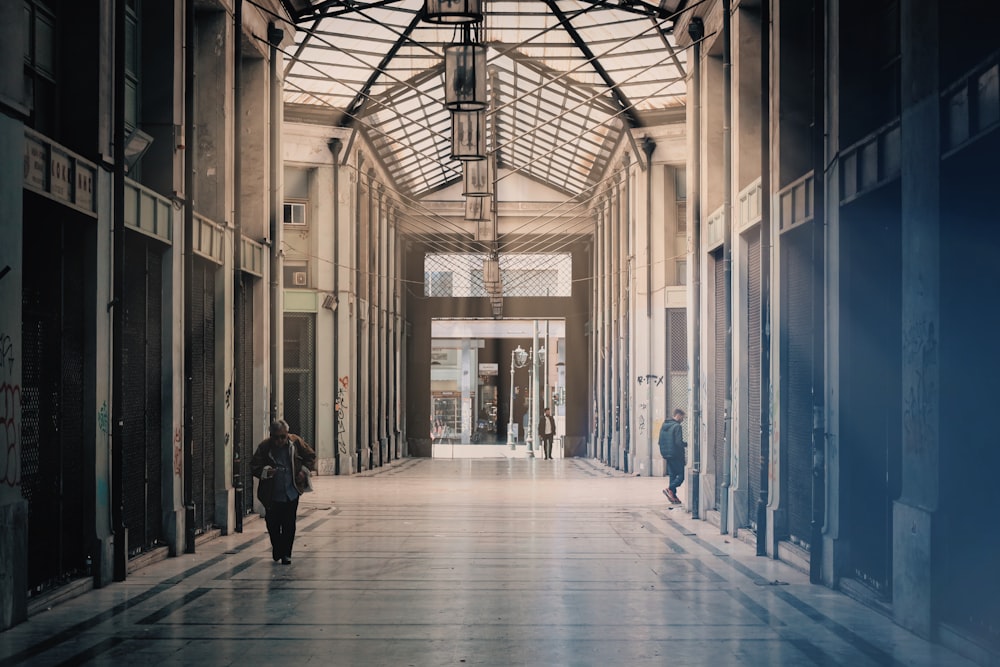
(299, 278)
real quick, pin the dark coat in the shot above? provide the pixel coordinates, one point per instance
(302, 456)
(672, 440)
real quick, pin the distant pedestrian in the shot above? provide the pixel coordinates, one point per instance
(672, 448)
(547, 431)
(282, 463)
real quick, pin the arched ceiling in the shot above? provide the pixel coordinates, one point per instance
(568, 78)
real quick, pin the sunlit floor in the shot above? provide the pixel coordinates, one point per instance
(473, 562)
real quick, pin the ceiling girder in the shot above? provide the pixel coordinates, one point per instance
(619, 96)
(357, 105)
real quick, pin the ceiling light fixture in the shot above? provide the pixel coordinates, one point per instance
(477, 178)
(465, 74)
(468, 135)
(453, 11)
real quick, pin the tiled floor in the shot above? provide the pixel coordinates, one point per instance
(473, 562)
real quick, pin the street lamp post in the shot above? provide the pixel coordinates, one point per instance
(518, 358)
(537, 357)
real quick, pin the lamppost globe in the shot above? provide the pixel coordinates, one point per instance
(518, 359)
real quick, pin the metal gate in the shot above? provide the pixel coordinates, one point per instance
(718, 403)
(870, 371)
(797, 368)
(142, 374)
(677, 363)
(203, 395)
(753, 352)
(970, 370)
(248, 418)
(300, 382)
(52, 455)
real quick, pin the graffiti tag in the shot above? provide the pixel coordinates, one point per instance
(10, 402)
(340, 409)
(102, 418)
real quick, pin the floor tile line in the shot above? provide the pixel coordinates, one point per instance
(95, 620)
(89, 654)
(171, 607)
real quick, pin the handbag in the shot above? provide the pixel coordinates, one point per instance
(307, 485)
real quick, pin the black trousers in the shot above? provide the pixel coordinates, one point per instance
(547, 445)
(280, 520)
(675, 471)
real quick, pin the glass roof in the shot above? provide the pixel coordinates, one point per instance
(566, 80)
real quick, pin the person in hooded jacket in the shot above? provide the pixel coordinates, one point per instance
(282, 463)
(672, 448)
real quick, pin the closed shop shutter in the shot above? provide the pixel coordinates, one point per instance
(718, 414)
(52, 455)
(870, 371)
(248, 418)
(797, 363)
(753, 352)
(203, 398)
(142, 375)
(300, 382)
(677, 389)
(969, 384)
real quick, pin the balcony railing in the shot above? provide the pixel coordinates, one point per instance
(148, 212)
(253, 257)
(209, 239)
(970, 107)
(58, 173)
(796, 203)
(748, 205)
(715, 229)
(871, 162)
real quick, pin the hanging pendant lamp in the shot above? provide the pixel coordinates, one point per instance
(477, 208)
(468, 135)
(465, 75)
(453, 11)
(477, 178)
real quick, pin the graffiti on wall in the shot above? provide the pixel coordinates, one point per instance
(102, 418)
(10, 401)
(340, 408)
(642, 418)
(178, 454)
(650, 379)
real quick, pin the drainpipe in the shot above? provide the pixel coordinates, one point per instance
(335, 145)
(696, 30)
(648, 145)
(765, 278)
(818, 227)
(626, 320)
(531, 430)
(237, 260)
(119, 556)
(358, 414)
(274, 37)
(189, 143)
(727, 259)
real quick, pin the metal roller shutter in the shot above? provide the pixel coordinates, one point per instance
(677, 389)
(300, 362)
(797, 381)
(142, 511)
(753, 352)
(202, 340)
(870, 386)
(719, 373)
(969, 384)
(52, 462)
(248, 418)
